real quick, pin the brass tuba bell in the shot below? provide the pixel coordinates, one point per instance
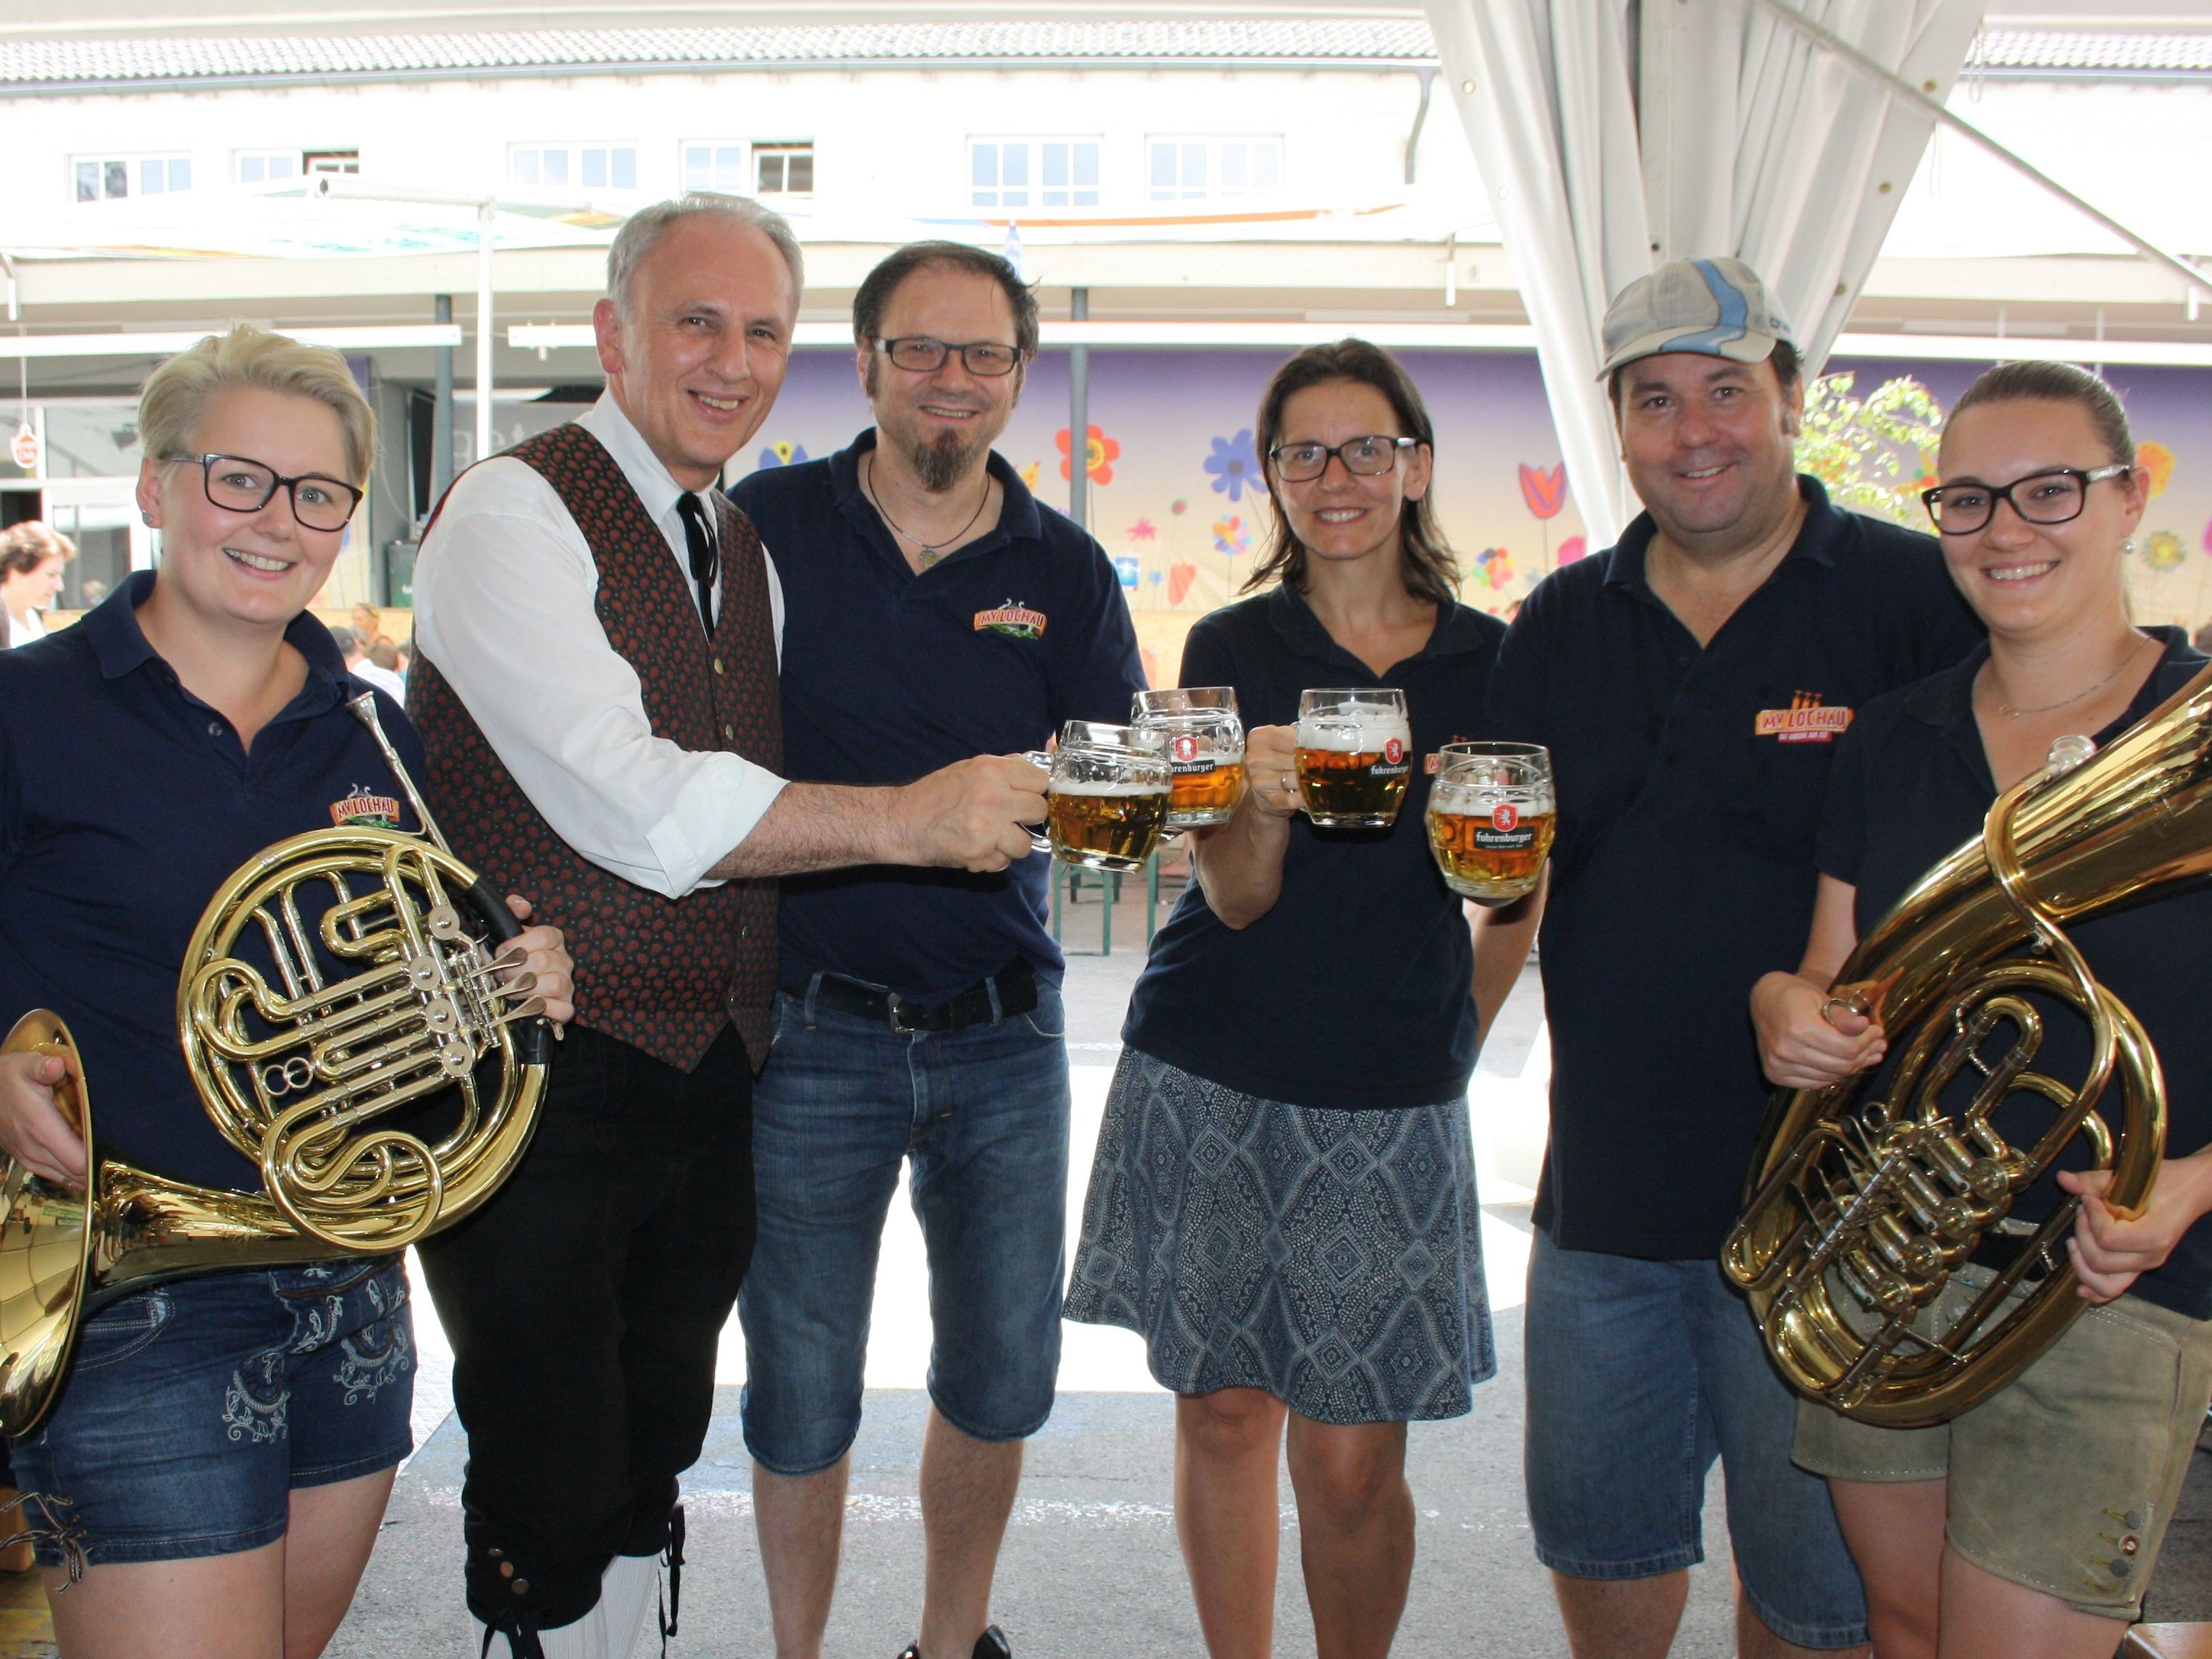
(381, 1106)
(1860, 1209)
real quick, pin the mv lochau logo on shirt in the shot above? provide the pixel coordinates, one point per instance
(1808, 720)
(361, 810)
(1014, 619)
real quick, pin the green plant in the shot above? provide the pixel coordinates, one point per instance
(1875, 454)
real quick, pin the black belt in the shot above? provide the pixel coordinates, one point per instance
(1015, 983)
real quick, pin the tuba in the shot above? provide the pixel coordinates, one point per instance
(386, 1083)
(1860, 1208)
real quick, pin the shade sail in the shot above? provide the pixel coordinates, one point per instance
(1612, 136)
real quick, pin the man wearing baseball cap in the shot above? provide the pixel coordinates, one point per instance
(1691, 682)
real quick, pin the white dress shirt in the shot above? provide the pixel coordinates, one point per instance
(382, 678)
(33, 626)
(504, 589)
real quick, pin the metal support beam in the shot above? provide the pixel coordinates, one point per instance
(483, 330)
(441, 410)
(1079, 415)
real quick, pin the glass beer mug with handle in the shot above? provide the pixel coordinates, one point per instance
(1354, 756)
(1205, 751)
(1491, 816)
(1107, 801)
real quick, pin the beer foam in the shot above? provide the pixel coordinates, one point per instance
(1353, 731)
(1118, 786)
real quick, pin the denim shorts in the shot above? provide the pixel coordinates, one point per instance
(191, 1411)
(1640, 1374)
(980, 1113)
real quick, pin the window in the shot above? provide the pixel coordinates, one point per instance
(1020, 172)
(717, 164)
(783, 169)
(1208, 169)
(561, 166)
(255, 166)
(104, 178)
(332, 160)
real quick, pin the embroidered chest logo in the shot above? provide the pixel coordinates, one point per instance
(361, 810)
(1808, 720)
(1014, 619)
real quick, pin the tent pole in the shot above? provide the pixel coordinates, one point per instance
(1079, 415)
(483, 330)
(441, 409)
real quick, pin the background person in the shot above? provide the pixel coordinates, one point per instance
(1309, 1014)
(224, 1444)
(362, 667)
(1690, 683)
(32, 554)
(2026, 1527)
(597, 687)
(935, 608)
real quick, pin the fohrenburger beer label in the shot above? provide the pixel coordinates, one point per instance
(1808, 720)
(1186, 755)
(1506, 832)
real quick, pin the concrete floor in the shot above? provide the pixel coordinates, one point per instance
(1090, 1565)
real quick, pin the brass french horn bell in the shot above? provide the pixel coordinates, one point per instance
(1860, 1205)
(347, 1027)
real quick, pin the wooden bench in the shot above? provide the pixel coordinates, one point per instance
(2167, 1641)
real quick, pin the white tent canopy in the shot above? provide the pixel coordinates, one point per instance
(1614, 136)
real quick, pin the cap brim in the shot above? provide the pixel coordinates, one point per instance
(1751, 346)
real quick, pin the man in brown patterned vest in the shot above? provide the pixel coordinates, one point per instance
(596, 687)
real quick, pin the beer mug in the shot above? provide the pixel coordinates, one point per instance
(1107, 801)
(1491, 816)
(1205, 751)
(1354, 756)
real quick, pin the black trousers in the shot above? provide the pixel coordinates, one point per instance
(584, 1304)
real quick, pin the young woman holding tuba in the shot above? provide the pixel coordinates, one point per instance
(220, 1454)
(2026, 1528)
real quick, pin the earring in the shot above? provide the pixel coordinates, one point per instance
(2128, 545)
(145, 518)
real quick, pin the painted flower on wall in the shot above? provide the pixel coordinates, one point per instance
(1230, 535)
(1544, 488)
(2157, 462)
(783, 452)
(1494, 564)
(1179, 580)
(1572, 549)
(1235, 466)
(1028, 474)
(1143, 531)
(2162, 551)
(1179, 507)
(1100, 452)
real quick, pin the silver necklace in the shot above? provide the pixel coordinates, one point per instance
(930, 555)
(2010, 713)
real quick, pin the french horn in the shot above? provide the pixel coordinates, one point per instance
(1863, 1202)
(349, 1028)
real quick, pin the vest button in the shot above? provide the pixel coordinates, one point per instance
(730, 731)
(718, 665)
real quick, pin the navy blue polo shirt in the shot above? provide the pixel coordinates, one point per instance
(1354, 992)
(1690, 787)
(888, 674)
(124, 803)
(1912, 783)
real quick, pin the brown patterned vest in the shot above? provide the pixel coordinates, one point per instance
(661, 975)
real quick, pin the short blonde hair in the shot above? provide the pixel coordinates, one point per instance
(177, 394)
(24, 547)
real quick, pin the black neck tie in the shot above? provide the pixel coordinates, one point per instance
(700, 540)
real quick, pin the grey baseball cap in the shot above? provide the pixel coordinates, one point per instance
(1716, 306)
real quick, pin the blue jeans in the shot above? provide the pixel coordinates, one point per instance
(1640, 1373)
(982, 1114)
(192, 1411)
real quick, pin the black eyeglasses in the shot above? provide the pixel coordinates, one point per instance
(242, 486)
(2052, 497)
(1364, 458)
(922, 356)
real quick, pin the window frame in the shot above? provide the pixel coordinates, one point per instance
(1037, 188)
(787, 149)
(133, 164)
(1212, 148)
(575, 154)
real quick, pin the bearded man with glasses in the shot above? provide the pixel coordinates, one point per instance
(933, 606)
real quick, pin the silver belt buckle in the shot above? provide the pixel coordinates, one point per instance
(899, 1027)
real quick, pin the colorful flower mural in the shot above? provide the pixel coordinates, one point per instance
(2157, 462)
(2162, 551)
(1494, 564)
(1544, 488)
(1230, 535)
(1100, 452)
(1573, 548)
(783, 452)
(1179, 507)
(1143, 531)
(1029, 475)
(1235, 466)
(1179, 577)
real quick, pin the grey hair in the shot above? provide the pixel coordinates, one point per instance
(644, 228)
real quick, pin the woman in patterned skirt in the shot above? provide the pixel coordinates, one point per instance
(1283, 1203)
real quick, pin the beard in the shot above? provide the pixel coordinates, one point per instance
(942, 464)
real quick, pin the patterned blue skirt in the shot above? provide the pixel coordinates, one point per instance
(1334, 1259)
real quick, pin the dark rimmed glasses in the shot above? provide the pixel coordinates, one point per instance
(239, 485)
(2054, 497)
(921, 355)
(1364, 458)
